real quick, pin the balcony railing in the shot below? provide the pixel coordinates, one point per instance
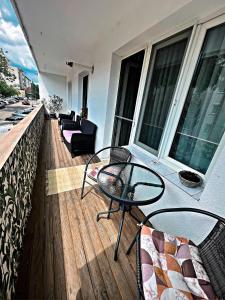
(18, 163)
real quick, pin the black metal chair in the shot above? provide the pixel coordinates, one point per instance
(66, 117)
(211, 250)
(116, 154)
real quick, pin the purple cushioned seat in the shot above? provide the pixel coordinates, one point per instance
(68, 134)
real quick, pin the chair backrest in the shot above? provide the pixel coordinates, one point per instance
(72, 114)
(212, 252)
(88, 127)
(78, 119)
(119, 154)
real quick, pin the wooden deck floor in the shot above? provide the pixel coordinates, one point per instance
(67, 254)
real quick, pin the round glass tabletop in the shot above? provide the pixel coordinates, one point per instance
(130, 183)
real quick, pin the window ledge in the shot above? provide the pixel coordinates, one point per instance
(165, 171)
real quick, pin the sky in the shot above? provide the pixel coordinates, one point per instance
(13, 42)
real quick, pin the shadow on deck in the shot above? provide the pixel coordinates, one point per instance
(67, 254)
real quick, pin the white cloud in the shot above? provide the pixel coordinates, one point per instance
(6, 11)
(14, 44)
(11, 34)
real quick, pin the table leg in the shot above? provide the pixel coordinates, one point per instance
(108, 212)
(119, 234)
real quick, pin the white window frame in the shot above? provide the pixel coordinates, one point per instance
(141, 82)
(186, 74)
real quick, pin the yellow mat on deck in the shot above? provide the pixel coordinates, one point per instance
(67, 179)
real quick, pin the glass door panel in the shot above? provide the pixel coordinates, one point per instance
(167, 58)
(126, 99)
(202, 124)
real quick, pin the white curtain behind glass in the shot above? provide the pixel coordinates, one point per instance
(159, 91)
(202, 122)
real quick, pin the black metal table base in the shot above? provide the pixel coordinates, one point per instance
(123, 209)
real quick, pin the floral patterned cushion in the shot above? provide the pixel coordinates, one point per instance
(93, 173)
(172, 268)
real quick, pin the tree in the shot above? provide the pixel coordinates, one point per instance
(35, 91)
(54, 104)
(6, 90)
(6, 74)
(5, 70)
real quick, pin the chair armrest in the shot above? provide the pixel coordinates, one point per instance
(71, 126)
(64, 116)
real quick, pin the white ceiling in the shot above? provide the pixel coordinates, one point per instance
(64, 30)
(61, 30)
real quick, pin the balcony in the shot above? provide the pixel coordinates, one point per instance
(66, 254)
(149, 79)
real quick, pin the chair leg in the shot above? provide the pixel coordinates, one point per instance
(82, 190)
(133, 242)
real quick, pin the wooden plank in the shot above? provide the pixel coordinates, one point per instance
(93, 266)
(85, 282)
(111, 228)
(70, 255)
(99, 249)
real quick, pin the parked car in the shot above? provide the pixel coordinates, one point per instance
(26, 102)
(4, 128)
(27, 110)
(2, 105)
(10, 101)
(6, 102)
(15, 118)
(20, 114)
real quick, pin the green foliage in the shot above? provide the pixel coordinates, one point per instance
(35, 91)
(6, 90)
(6, 73)
(4, 67)
(54, 104)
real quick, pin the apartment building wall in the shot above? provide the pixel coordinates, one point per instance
(126, 38)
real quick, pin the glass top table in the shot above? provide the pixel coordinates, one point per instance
(129, 184)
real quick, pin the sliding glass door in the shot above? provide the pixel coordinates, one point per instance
(202, 122)
(166, 62)
(126, 99)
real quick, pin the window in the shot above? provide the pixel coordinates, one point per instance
(191, 137)
(202, 124)
(161, 82)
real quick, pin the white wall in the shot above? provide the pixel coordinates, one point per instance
(134, 32)
(123, 39)
(102, 109)
(76, 77)
(51, 84)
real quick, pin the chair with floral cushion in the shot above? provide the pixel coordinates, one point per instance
(170, 267)
(108, 155)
